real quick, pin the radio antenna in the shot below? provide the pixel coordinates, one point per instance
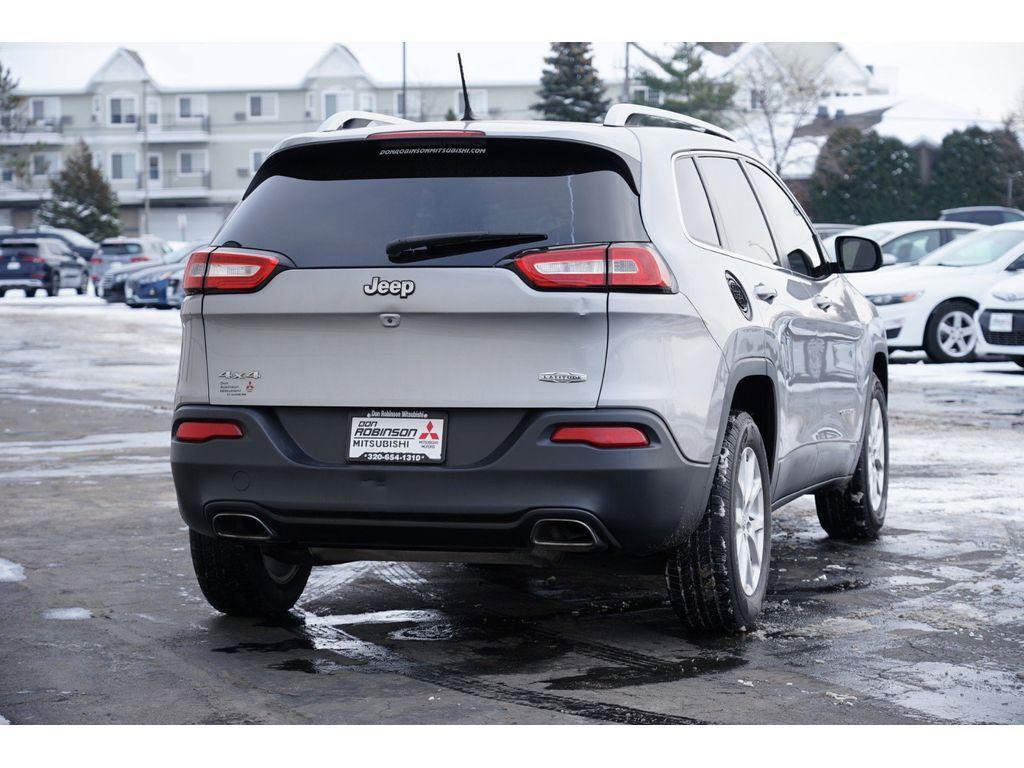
(467, 113)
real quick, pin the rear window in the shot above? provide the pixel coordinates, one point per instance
(9, 249)
(120, 249)
(340, 204)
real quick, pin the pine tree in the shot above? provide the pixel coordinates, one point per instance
(81, 199)
(861, 178)
(974, 166)
(685, 88)
(570, 88)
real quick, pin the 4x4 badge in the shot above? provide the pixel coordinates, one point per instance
(562, 377)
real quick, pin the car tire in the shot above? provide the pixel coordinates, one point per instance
(951, 317)
(1018, 360)
(713, 583)
(238, 579)
(856, 511)
(3, 292)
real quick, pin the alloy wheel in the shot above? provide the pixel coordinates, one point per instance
(748, 521)
(957, 334)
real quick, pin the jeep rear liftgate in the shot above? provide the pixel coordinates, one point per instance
(476, 337)
(391, 273)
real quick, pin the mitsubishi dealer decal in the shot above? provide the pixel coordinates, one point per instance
(397, 436)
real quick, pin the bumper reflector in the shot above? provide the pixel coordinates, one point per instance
(201, 431)
(601, 436)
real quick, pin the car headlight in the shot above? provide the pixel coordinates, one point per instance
(886, 299)
(1009, 294)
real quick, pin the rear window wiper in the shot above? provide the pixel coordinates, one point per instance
(423, 247)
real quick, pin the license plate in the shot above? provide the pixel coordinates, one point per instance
(128, 291)
(397, 437)
(1000, 321)
(114, 265)
(13, 265)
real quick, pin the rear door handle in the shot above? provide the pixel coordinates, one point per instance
(764, 293)
(822, 303)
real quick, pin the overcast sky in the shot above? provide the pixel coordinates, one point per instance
(984, 78)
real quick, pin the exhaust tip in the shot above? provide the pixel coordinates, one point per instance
(572, 535)
(239, 526)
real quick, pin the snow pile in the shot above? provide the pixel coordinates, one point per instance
(67, 614)
(11, 571)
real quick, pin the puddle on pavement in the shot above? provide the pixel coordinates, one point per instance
(604, 678)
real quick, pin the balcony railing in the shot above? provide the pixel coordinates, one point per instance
(172, 123)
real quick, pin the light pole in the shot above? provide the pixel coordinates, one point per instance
(144, 224)
(405, 94)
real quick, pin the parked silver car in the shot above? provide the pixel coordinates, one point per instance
(115, 252)
(512, 341)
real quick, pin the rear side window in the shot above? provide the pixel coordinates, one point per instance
(793, 236)
(339, 204)
(743, 226)
(120, 249)
(912, 246)
(693, 201)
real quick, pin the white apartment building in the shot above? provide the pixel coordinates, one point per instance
(187, 129)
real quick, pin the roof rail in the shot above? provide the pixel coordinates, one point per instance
(340, 121)
(624, 114)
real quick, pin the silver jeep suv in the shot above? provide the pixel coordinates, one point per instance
(519, 341)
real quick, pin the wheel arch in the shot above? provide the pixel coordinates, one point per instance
(752, 388)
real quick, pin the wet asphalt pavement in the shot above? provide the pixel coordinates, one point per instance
(101, 620)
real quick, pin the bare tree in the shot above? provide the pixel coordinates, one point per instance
(783, 96)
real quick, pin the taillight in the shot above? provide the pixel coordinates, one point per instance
(95, 260)
(564, 268)
(616, 267)
(442, 134)
(138, 259)
(195, 270)
(201, 431)
(601, 436)
(228, 271)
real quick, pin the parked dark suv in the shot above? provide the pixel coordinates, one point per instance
(40, 264)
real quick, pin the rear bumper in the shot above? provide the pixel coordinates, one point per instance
(22, 282)
(637, 500)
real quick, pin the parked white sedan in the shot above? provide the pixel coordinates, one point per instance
(931, 304)
(1001, 320)
(907, 242)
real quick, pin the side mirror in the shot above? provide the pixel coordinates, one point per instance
(857, 254)
(888, 259)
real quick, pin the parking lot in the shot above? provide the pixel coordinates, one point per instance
(101, 619)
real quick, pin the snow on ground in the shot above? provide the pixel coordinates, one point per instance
(67, 614)
(11, 571)
(70, 343)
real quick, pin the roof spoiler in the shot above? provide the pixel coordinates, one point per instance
(355, 118)
(621, 115)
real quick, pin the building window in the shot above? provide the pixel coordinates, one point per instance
(256, 158)
(415, 106)
(262, 106)
(192, 162)
(153, 110)
(45, 163)
(337, 101)
(756, 98)
(6, 175)
(153, 167)
(122, 166)
(368, 101)
(122, 110)
(477, 100)
(44, 110)
(644, 95)
(191, 107)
